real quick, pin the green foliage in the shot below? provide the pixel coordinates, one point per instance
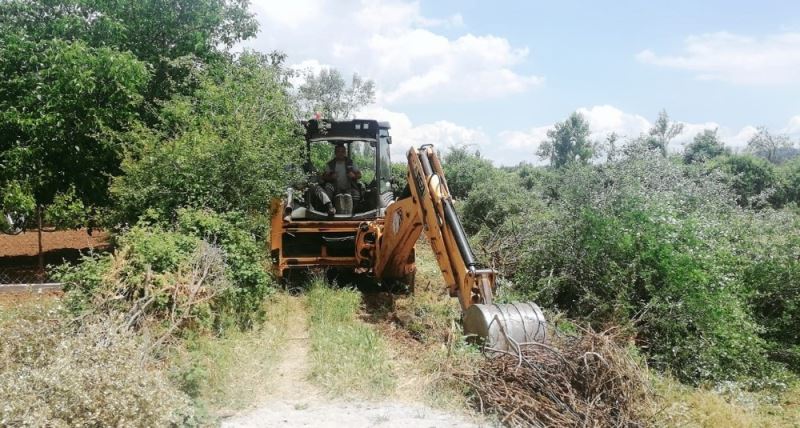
(78, 73)
(771, 272)
(494, 201)
(208, 269)
(244, 256)
(788, 182)
(60, 106)
(463, 170)
(646, 242)
(199, 29)
(662, 132)
(568, 142)
(66, 212)
(17, 205)
(706, 145)
(225, 149)
(749, 176)
(400, 175)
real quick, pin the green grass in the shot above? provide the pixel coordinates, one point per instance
(348, 357)
(236, 371)
(684, 406)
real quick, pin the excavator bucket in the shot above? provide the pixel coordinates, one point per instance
(505, 327)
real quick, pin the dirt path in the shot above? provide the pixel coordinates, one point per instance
(295, 402)
(291, 377)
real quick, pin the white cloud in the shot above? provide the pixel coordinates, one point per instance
(604, 120)
(442, 134)
(768, 60)
(793, 127)
(391, 42)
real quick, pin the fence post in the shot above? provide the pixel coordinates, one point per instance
(41, 254)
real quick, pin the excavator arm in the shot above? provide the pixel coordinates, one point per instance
(429, 208)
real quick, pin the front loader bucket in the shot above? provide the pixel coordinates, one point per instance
(504, 327)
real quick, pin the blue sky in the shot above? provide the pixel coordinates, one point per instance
(497, 75)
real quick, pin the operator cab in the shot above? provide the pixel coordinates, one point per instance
(367, 145)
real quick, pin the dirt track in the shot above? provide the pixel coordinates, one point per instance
(295, 402)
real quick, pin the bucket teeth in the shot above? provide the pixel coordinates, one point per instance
(504, 327)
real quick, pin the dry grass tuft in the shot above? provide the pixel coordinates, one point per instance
(685, 406)
(586, 380)
(53, 373)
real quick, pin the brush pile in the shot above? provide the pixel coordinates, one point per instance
(587, 380)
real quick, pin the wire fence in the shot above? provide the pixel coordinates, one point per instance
(23, 276)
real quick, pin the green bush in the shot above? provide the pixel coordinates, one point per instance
(463, 170)
(788, 183)
(240, 239)
(749, 176)
(664, 248)
(206, 272)
(492, 202)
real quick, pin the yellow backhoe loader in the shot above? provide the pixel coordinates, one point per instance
(365, 225)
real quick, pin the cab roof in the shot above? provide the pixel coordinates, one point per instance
(333, 130)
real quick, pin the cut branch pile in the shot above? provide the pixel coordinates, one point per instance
(588, 380)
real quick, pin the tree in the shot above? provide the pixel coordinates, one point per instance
(749, 177)
(568, 142)
(327, 93)
(464, 170)
(662, 132)
(225, 148)
(172, 36)
(61, 105)
(789, 182)
(706, 145)
(768, 145)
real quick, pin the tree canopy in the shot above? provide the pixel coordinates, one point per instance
(327, 93)
(706, 145)
(568, 142)
(77, 74)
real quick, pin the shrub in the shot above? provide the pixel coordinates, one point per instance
(491, 202)
(97, 374)
(749, 176)
(647, 242)
(158, 279)
(207, 271)
(238, 237)
(789, 183)
(463, 170)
